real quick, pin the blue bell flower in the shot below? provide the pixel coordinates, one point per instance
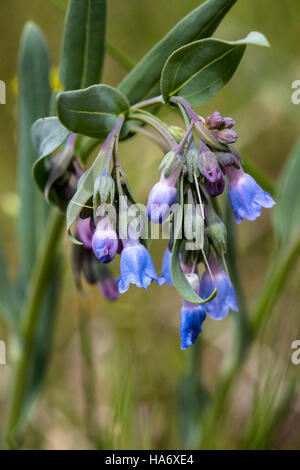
(166, 267)
(105, 241)
(225, 299)
(246, 196)
(162, 197)
(191, 318)
(136, 267)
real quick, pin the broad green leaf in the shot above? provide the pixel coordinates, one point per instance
(85, 189)
(83, 43)
(199, 70)
(34, 98)
(179, 278)
(287, 209)
(92, 111)
(48, 134)
(143, 81)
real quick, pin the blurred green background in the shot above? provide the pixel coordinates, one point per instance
(128, 395)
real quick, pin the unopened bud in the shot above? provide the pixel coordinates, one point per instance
(191, 160)
(172, 161)
(226, 136)
(104, 189)
(215, 121)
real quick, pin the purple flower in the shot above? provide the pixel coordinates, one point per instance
(166, 267)
(84, 231)
(229, 122)
(217, 187)
(136, 267)
(246, 196)
(225, 299)
(208, 163)
(105, 241)
(215, 121)
(191, 318)
(109, 289)
(225, 136)
(162, 197)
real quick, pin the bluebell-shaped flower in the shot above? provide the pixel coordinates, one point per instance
(225, 299)
(191, 318)
(166, 267)
(136, 267)
(162, 197)
(105, 241)
(191, 315)
(246, 196)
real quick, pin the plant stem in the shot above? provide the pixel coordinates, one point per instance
(152, 136)
(154, 122)
(149, 102)
(36, 288)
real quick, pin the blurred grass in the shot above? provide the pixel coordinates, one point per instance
(137, 361)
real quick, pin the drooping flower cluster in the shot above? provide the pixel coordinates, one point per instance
(200, 164)
(202, 168)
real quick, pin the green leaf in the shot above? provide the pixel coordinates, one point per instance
(287, 209)
(180, 281)
(48, 134)
(85, 189)
(143, 81)
(8, 300)
(83, 43)
(199, 70)
(34, 98)
(93, 111)
(42, 343)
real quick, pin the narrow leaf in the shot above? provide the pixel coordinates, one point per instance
(92, 111)
(83, 43)
(287, 209)
(199, 70)
(143, 80)
(34, 98)
(8, 301)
